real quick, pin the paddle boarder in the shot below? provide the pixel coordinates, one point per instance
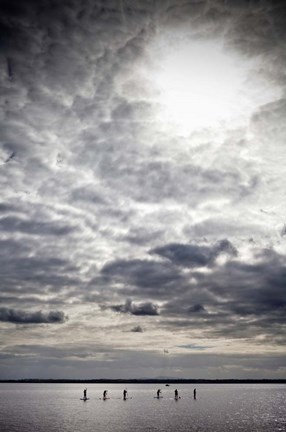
(158, 393)
(105, 394)
(84, 393)
(176, 394)
(124, 394)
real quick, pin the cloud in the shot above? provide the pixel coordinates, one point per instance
(137, 329)
(103, 198)
(196, 308)
(140, 309)
(194, 347)
(240, 300)
(235, 298)
(32, 227)
(194, 255)
(39, 317)
(153, 277)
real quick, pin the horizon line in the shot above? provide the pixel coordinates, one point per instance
(149, 380)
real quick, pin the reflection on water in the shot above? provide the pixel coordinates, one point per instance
(218, 407)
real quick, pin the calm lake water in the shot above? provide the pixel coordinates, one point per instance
(218, 407)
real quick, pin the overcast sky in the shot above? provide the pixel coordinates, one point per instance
(142, 172)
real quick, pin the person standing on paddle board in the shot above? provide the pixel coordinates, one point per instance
(195, 393)
(124, 394)
(158, 393)
(105, 394)
(84, 393)
(176, 394)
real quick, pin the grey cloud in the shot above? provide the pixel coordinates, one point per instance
(14, 224)
(253, 28)
(194, 347)
(155, 278)
(23, 317)
(140, 309)
(126, 111)
(87, 194)
(142, 236)
(187, 310)
(5, 208)
(268, 125)
(224, 226)
(21, 298)
(196, 308)
(137, 329)
(28, 269)
(234, 298)
(242, 300)
(194, 255)
(157, 181)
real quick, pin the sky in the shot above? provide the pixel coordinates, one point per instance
(142, 206)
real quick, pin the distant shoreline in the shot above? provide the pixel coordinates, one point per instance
(146, 381)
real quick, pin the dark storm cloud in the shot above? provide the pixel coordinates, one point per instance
(23, 317)
(257, 289)
(143, 277)
(194, 255)
(140, 309)
(234, 299)
(256, 28)
(240, 300)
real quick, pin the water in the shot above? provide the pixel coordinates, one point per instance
(222, 408)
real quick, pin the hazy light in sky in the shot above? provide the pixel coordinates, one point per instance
(202, 84)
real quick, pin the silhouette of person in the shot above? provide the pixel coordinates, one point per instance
(158, 393)
(176, 394)
(124, 394)
(195, 393)
(105, 394)
(84, 393)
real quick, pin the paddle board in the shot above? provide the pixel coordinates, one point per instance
(84, 399)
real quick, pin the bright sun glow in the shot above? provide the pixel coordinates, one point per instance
(200, 84)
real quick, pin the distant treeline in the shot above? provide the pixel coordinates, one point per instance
(147, 381)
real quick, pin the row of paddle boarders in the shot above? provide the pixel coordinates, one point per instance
(125, 395)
